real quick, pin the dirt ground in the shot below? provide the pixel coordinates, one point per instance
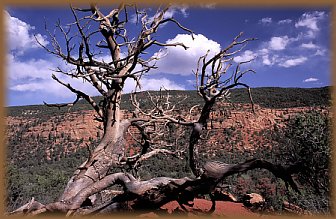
(200, 208)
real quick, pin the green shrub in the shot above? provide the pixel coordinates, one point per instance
(307, 140)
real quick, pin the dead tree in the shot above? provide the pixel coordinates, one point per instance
(213, 82)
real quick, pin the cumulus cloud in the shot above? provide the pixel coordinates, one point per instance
(266, 56)
(270, 57)
(310, 80)
(289, 50)
(30, 75)
(156, 84)
(266, 60)
(51, 87)
(309, 45)
(45, 86)
(19, 35)
(148, 83)
(266, 20)
(35, 75)
(246, 56)
(285, 21)
(279, 58)
(29, 70)
(293, 62)
(278, 43)
(310, 20)
(263, 51)
(181, 61)
(269, 60)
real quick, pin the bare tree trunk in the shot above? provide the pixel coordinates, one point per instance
(196, 135)
(91, 177)
(106, 154)
(153, 193)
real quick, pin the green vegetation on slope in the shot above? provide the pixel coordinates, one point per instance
(269, 97)
(305, 139)
(35, 176)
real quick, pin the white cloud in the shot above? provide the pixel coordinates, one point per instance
(289, 50)
(309, 45)
(286, 21)
(293, 62)
(156, 84)
(267, 60)
(45, 86)
(181, 61)
(246, 56)
(263, 51)
(320, 52)
(268, 57)
(309, 20)
(310, 80)
(176, 9)
(173, 10)
(28, 87)
(19, 36)
(279, 43)
(32, 75)
(51, 87)
(266, 20)
(152, 84)
(35, 75)
(29, 70)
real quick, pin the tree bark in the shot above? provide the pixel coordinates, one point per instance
(106, 154)
(91, 176)
(152, 194)
(196, 135)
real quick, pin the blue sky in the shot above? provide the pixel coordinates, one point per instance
(292, 50)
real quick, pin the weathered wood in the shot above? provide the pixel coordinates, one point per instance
(91, 177)
(152, 194)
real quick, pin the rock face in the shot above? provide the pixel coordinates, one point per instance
(228, 128)
(253, 200)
